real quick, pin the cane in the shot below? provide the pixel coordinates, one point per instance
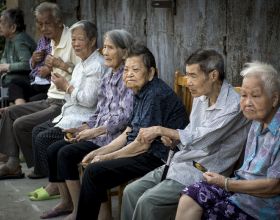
(170, 155)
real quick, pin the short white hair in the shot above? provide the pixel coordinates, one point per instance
(267, 74)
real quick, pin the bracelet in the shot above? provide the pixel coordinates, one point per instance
(67, 89)
(226, 184)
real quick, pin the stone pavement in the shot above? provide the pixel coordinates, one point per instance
(15, 204)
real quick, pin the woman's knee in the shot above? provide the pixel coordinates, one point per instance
(130, 189)
(186, 203)
(19, 124)
(67, 153)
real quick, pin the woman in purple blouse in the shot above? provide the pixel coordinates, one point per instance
(114, 109)
(254, 191)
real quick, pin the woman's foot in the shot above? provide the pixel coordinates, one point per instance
(58, 210)
(52, 189)
(72, 216)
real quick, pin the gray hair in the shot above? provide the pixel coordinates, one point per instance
(53, 8)
(88, 27)
(208, 60)
(120, 38)
(266, 72)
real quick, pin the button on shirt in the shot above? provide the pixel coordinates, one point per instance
(114, 108)
(81, 104)
(262, 160)
(157, 104)
(214, 137)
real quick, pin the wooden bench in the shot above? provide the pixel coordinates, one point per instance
(181, 89)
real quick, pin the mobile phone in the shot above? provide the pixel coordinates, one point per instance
(199, 167)
(69, 135)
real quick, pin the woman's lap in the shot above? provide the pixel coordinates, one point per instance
(215, 202)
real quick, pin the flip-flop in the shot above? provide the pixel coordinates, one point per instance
(6, 173)
(54, 213)
(41, 195)
(35, 191)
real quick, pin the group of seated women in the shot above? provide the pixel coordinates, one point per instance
(119, 120)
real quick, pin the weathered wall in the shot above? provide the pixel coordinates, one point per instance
(242, 30)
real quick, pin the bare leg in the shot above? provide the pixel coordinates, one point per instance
(188, 209)
(52, 189)
(105, 212)
(74, 188)
(65, 202)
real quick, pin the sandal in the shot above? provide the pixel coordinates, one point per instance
(35, 191)
(41, 194)
(7, 173)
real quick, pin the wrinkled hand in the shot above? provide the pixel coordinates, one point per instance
(76, 130)
(60, 82)
(86, 134)
(214, 178)
(52, 61)
(37, 57)
(4, 67)
(147, 135)
(166, 141)
(44, 71)
(99, 158)
(89, 157)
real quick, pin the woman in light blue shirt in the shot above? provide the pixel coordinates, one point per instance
(254, 191)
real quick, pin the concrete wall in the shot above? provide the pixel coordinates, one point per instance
(242, 30)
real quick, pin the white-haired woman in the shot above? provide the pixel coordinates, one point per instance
(81, 95)
(254, 191)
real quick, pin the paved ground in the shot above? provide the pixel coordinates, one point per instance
(15, 204)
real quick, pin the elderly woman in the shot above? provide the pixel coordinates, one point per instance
(114, 108)
(18, 49)
(125, 158)
(19, 120)
(254, 191)
(81, 95)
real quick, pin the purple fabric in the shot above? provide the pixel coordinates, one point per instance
(215, 202)
(114, 108)
(43, 44)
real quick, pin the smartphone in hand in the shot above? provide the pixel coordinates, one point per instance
(199, 167)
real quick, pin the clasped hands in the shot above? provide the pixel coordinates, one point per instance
(60, 82)
(94, 157)
(81, 133)
(148, 135)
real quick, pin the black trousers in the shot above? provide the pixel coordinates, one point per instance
(101, 176)
(64, 157)
(24, 90)
(43, 135)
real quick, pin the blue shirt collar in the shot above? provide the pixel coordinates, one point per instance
(273, 126)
